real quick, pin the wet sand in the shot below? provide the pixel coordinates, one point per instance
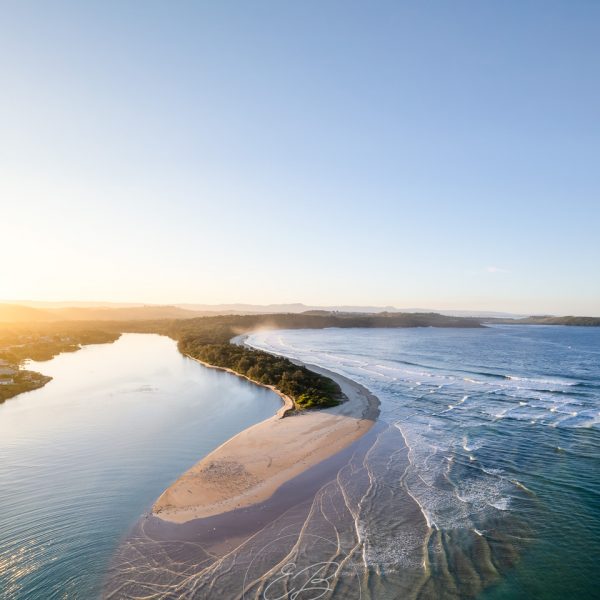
(229, 554)
(221, 529)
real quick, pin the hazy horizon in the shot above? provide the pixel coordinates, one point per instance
(276, 306)
(440, 156)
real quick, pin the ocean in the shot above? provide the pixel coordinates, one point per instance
(494, 434)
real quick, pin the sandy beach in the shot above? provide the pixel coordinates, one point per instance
(251, 466)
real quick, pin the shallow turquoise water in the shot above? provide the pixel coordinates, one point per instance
(503, 430)
(82, 458)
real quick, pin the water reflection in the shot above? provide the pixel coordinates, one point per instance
(82, 458)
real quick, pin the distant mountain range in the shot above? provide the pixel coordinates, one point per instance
(40, 312)
(30, 311)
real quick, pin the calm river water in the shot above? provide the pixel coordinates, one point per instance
(82, 458)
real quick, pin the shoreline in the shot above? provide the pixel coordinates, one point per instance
(288, 403)
(251, 466)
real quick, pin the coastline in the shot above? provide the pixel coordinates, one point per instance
(251, 466)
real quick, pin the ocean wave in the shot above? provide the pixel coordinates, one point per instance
(502, 504)
(535, 380)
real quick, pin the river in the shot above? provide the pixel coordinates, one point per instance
(83, 457)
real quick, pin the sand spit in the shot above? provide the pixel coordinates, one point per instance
(251, 466)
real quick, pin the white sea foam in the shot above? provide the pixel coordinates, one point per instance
(540, 381)
(501, 504)
(444, 418)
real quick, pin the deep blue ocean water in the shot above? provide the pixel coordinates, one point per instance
(503, 430)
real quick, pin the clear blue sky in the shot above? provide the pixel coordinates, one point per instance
(437, 154)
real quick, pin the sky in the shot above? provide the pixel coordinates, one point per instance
(432, 154)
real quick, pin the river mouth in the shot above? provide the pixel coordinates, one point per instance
(82, 458)
(477, 480)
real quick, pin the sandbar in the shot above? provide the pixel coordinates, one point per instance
(249, 467)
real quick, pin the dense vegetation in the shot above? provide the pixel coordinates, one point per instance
(306, 388)
(43, 343)
(544, 320)
(220, 329)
